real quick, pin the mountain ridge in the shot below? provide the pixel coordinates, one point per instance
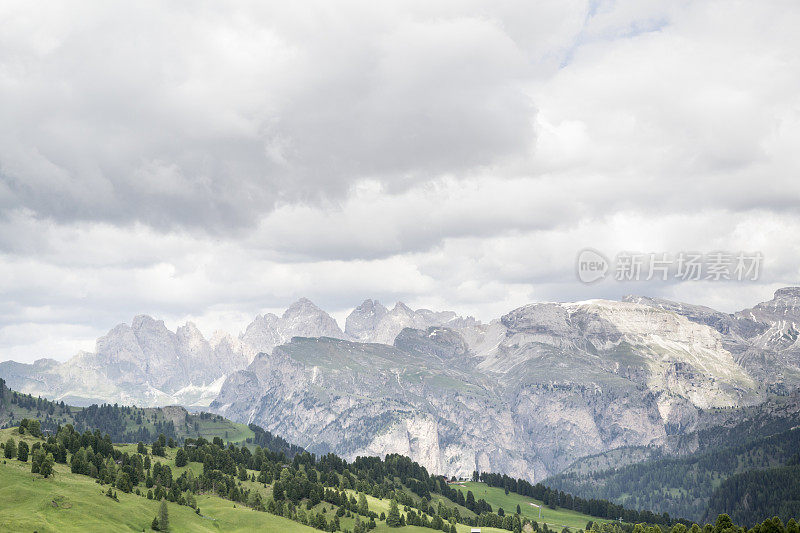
(527, 393)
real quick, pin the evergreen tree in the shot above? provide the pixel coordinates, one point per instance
(158, 449)
(35, 428)
(470, 503)
(124, 482)
(180, 457)
(393, 518)
(36, 460)
(46, 468)
(277, 491)
(163, 516)
(22, 451)
(11, 448)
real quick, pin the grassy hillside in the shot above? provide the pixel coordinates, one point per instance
(218, 487)
(70, 502)
(554, 518)
(240, 477)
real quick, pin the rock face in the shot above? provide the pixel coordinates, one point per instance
(526, 394)
(365, 319)
(762, 340)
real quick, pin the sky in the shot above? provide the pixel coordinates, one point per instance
(208, 161)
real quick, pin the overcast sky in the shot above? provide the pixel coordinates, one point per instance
(205, 162)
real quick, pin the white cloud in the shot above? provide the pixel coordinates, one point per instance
(211, 162)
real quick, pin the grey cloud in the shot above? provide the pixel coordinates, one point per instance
(203, 160)
(203, 118)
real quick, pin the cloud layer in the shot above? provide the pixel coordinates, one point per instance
(208, 163)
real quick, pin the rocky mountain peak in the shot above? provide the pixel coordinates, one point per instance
(143, 322)
(784, 306)
(363, 320)
(371, 307)
(542, 317)
(301, 319)
(304, 319)
(372, 322)
(787, 293)
(190, 338)
(402, 309)
(190, 330)
(786, 301)
(302, 307)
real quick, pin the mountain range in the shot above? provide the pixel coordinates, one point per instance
(526, 394)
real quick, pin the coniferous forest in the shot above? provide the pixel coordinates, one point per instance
(299, 481)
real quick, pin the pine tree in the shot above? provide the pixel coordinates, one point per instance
(36, 460)
(22, 451)
(470, 503)
(277, 491)
(11, 448)
(163, 516)
(124, 482)
(180, 457)
(393, 518)
(46, 468)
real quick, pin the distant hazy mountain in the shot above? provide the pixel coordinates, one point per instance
(301, 319)
(142, 363)
(526, 394)
(145, 363)
(372, 322)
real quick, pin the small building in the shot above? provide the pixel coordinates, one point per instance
(475, 530)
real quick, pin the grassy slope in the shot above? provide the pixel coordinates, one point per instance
(70, 502)
(557, 518)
